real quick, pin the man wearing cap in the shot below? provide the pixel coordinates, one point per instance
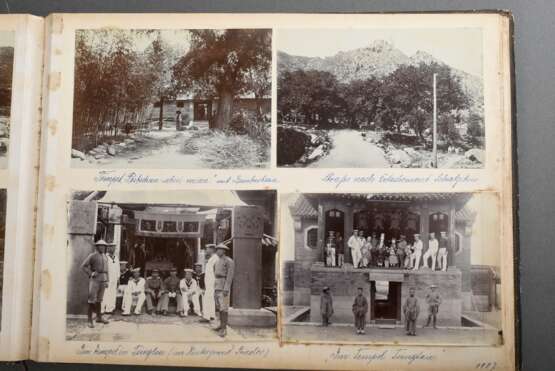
(135, 291)
(198, 276)
(190, 293)
(355, 245)
(223, 272)
(170, 290)
(417, 252)
(96, 267)
(208, 298)
(433, 247)
(434, 300)
(153, 291)
(110, 294)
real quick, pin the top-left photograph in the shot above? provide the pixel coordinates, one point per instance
(6, 72)
(170, 99)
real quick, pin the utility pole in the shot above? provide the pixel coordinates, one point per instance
(434, 135)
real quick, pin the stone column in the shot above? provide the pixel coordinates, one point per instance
(348, 231)
(246, 233)
(321, 231)
(425, 226)
(451, 235)
(81, 231)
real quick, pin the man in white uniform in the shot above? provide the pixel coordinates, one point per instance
(190, 292)
(417, 252)
(355, 245)
(208, 301)
(433, 247)
(442, 253)
(135, 290)
(109, 300)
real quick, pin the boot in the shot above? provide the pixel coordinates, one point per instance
(90, 311)
(428, 322)
(218, 314)
(99, 318)
(223, 326)
(434, 323)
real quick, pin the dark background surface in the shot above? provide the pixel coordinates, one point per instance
(535, 98)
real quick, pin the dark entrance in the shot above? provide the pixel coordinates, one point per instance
(385, 301)
(202, 111)
(335, 221)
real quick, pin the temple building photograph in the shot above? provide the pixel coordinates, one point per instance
(412, 268)
(172, 266)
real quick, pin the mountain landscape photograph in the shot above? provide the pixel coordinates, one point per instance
(365, 98)
(6, 72)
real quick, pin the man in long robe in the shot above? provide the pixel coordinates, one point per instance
(411, 310)
(326, 306)
(208, 300)
(360, 310)
(110, 294)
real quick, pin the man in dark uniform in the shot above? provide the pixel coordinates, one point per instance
(411, 309)
(153, 291)
(199, 277)
(171, 290)
(360, 309)
(434, 300)
(223, 271)
(96, 267)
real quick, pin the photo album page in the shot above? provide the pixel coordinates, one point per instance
(292, 191)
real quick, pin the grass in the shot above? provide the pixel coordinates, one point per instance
(221, 150)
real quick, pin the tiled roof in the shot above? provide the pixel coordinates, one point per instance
(304, 208)
(464, 215)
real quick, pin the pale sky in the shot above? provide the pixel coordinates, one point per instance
(6, 38)
(458, 47)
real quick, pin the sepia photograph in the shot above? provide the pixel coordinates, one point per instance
(402, 268)
(380, 98)
(173, 266)
(164, 99)
(2, 241)
(6, 72)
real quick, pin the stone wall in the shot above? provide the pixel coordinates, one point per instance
(343, 283)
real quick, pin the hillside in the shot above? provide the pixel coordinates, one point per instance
(378, 59)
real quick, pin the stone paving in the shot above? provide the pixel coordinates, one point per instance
(148, 328)
(313, 332)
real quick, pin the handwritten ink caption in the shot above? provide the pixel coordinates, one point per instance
(340, 180)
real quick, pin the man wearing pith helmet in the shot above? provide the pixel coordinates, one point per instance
(223, 271)
(96, 267)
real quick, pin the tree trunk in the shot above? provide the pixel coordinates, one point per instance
(225, 110)
(161, 117)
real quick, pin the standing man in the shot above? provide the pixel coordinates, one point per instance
(110, 294)
(340, 250)
(434, 300)
(443, 251)
(411, 309)
(208, 299)
(433, 247)
(417, 252)
(153, 291)
(326, 306)
(198, 276)
(330, 250)
(223, 271)
(178, 120)
(135, 290)
(96, 267)
(171, 291)
(355, 246)
(190, 293)
(360, 309)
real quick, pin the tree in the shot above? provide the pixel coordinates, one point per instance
(218, 63)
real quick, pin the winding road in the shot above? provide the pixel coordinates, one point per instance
(350, 150)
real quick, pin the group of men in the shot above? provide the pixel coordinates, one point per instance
(371, 251)
(360, 307)
(211, 288)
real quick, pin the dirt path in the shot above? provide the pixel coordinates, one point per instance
(155, 150)
(350, 150)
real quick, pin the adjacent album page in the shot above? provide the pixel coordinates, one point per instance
(21, 40)
(304, 191)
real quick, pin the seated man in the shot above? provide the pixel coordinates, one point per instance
(170, 290)
(134, 294)
(190, 293)
(153, 291)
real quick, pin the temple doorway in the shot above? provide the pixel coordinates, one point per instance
(385, 302)
(335, 222)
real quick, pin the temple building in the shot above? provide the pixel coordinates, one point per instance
(391, 215)
(164, 230)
